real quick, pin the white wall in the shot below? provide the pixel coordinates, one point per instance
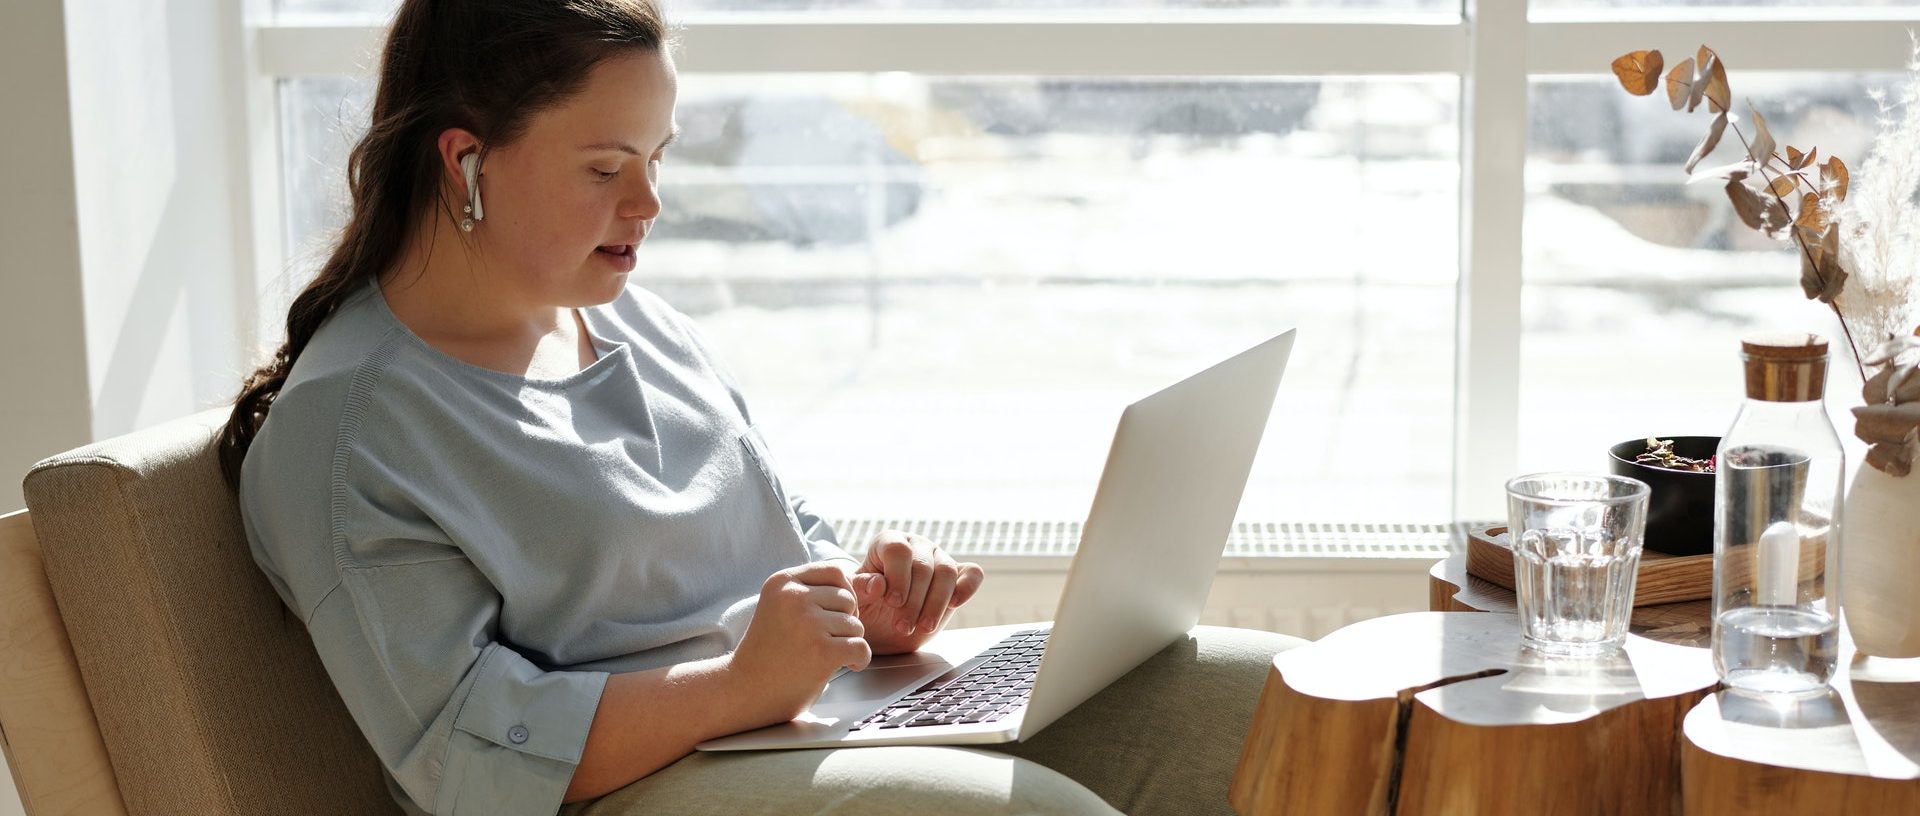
(122, 249)
(154, 171)
(44, 400)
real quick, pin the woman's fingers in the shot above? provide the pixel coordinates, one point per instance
(834, 599)
(971, 577)
(916, 580)
(820, 574)
(857, 652)
(843, 625)
(892, 555)
(922, 578)
(939, 594)
(865, 587)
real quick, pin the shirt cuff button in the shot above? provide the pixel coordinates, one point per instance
(517, 734)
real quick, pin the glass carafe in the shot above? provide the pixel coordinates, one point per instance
(1778, 478)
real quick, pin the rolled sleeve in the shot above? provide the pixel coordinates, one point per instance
(518, 736)
(463, 723)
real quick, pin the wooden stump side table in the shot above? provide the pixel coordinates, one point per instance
(1442, 712)
(1854, 750)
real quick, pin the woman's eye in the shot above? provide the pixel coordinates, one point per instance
(606, 174)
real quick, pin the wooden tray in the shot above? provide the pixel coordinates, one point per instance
(1663, 578)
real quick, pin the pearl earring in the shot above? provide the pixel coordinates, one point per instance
(470, 167)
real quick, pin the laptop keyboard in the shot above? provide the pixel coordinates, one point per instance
(986, 693)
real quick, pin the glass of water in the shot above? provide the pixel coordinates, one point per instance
(1576, 553)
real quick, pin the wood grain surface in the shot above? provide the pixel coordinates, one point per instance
(1433, 712)
(1443, 713)
(1855, 749)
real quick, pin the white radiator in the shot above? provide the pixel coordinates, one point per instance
(1304, 579)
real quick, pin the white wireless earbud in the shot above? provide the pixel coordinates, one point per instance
(470, 166)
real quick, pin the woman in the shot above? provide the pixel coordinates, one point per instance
(556, 553)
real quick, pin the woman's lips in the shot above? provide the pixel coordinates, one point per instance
(620, 257)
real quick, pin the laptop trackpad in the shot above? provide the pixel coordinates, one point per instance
(878, 684)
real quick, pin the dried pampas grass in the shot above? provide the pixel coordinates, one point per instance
(1882, 244)
(1882, 247)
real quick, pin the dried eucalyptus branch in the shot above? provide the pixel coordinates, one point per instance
(1793, 204)
(1815, 229)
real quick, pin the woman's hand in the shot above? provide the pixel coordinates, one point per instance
(907, 589)
(804, 629)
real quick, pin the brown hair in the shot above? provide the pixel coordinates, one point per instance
(483, 65)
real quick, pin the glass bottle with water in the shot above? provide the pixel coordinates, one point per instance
(1777, 483)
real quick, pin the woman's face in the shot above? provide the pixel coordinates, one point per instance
(567, 205)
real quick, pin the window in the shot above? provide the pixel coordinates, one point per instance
(939, 282)
(1638, 285)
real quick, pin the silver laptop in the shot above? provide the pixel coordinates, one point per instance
(1146, 560)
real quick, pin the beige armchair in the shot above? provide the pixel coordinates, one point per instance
(148, 667)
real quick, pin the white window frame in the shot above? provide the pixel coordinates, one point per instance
(1492, 47)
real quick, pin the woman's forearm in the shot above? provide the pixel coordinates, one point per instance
(648, 720)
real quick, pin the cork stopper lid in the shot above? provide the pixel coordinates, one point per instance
(1785, 346)
(1785, 366)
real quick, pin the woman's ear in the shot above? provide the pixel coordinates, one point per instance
(449, 147)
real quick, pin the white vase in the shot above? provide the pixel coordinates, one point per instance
(1880, 563)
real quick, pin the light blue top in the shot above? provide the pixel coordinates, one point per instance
(473, 551)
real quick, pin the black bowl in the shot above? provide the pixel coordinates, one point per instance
(1680, 507)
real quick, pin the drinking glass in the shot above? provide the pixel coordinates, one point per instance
(1576, 553)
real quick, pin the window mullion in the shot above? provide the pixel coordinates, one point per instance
(1493, 149)
(263, 258)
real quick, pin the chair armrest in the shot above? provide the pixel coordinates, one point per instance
(47, 727)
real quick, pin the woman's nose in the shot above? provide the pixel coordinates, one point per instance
(643, 202)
